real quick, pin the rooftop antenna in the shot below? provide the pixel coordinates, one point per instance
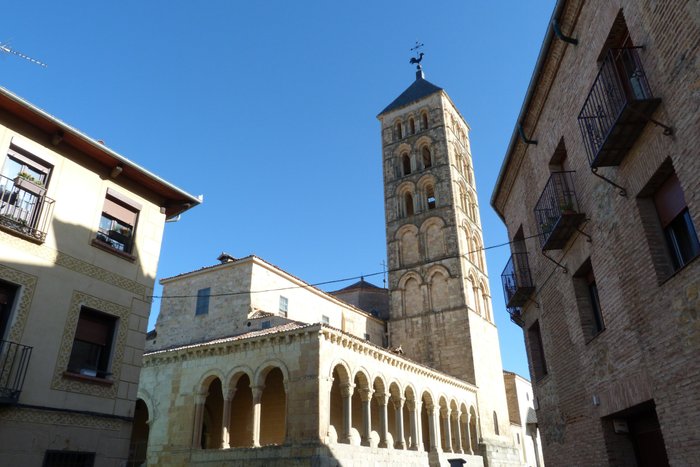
(4, 47)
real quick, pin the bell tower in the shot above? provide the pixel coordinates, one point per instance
(440, 305)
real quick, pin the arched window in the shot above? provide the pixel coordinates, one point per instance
(399, 134)
(408, 204)
(424, 120)
(427, 159)
(412, 126)
(495, 423)
(406, 162)
(430, 196)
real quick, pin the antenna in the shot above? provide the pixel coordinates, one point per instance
(6, 48)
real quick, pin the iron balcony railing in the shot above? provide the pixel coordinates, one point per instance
(24, 207)
(617, 108)
(14, 361)
(517, 281)
(557, 211)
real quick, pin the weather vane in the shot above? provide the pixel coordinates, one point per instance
(417, 59)
(5, 47)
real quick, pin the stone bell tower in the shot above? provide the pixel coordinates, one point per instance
(440, 305)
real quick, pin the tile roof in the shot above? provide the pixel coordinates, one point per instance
(419, 89)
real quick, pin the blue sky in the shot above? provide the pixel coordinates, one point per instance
(269, 110)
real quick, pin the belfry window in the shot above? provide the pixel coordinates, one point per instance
(406, 162)
(424, 121)
(427, 158)
(399, 133)
(430, 196)
(408, 204)
(412, 126)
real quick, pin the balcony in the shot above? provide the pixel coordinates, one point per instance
(517, 281)
(557, 211)
(24, 208)
(14, 360)
(617, 108)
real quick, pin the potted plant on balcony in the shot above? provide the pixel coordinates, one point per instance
(27, 182)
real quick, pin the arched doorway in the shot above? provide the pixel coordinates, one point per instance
(139, 435)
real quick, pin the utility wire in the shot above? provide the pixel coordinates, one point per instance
(335, 281)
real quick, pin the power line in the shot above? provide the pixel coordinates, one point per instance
(335, 281)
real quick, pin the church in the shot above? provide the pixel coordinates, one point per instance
(249, 365)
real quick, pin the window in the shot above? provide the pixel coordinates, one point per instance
(202, 307)
(23, 182)
(325, 319)
(266, 324)
(424, 120)
(495, 424)
(679, 232)
(399, 133)
(118, 222)
(7, 299)
(284, 306)
(430, 196)
(588, 302)
(534, 340)
(92, 345)
(427, 159)
(672, 238)
(406, 162)
(412, 126)
(68, 459)
(408, 204)
(366, 336)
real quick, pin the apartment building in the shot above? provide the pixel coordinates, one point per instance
(600, 192)
(80, 236)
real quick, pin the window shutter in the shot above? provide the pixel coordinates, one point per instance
(669, 200)
(94, 329)
(120, 212)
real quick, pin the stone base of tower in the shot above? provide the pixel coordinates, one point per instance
(497, 453)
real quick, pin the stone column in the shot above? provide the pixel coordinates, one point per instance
(346, 391)
(226, 419)
(400, 443)
(414, 424)
(469, 436)
(382, 399)
(458, 432)
(199, 400)
(433, 429)
(257, 397)
(366, 396)
(445, 413)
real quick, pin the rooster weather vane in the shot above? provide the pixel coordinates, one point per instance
(417, 60)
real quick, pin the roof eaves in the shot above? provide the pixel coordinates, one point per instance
(534, 79)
